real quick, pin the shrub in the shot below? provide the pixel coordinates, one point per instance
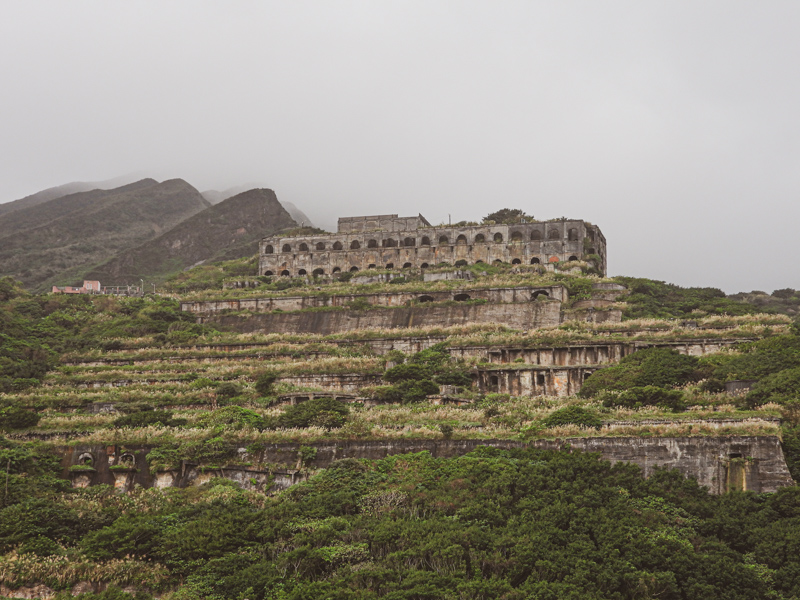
(659, 367)
(778, 387)
(407, 372)
(447, 430)
(147, 418)
(233, 415)
(649, 395)
(264, 383)
(228, 390)
(325, 412)
(573, 415)
(15, 417)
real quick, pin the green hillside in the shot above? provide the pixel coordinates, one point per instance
(116, 393)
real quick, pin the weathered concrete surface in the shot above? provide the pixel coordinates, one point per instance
(388, 241)
(507, 295)
(533, 315)
(722, 463)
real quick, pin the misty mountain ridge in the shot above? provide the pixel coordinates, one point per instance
(215, 197)
(228, 230)
(55, 242)
(64, 190)
(60, 236)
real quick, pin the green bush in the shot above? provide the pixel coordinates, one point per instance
(779, 387)
(265, 382)
(15, 417)
(235, 416)
(573, 415)
(228, 390)
(323, 412)
(649, 395)
(407, 372)
(147, 418)
(659, 367)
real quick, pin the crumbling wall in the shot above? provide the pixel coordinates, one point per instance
(722, 463)
(533, 315)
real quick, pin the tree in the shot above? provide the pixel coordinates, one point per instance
(508, 216)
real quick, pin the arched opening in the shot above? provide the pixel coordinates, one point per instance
(516, 261)
(534, 261)
(498, 237)
(336, 270)
(591, 251)
(573, 257)
(539, 294)
(320, 246)
(443, 240)
(572, 235)
(337, 245)
(373, 243)
(461, 297)
(268, 273)
(425, 298)
(553, 234)
(390, 243)
(424, 266)
(318, 272)
(409, 241)
(461, 263)
(302, 272)
(516, 236)
(494, 382)
(406, 265)
(478, 262)
(426, 241)
(371, 266)
(287, 248)
(303, 247)
(353, 269)
(497, 261)
(480, 238)
(462, 239)
(354, 245)
(268, 249)
(540, 379)
(284, 273)
(390, 266)
(536, 235)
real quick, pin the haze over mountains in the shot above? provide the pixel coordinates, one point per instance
(141, 230)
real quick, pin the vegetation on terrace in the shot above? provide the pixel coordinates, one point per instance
(507, 524)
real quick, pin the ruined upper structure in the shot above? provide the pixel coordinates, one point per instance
(392, 242)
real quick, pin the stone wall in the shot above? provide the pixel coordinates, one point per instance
(293, 303)
(754, 463)
(532, 315)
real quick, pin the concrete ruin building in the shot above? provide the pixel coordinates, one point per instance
(392, 242)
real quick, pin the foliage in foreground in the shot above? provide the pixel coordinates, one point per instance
(492, 524)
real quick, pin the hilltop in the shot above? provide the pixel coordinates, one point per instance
(228, 230)
(58, 241)
(64, 190)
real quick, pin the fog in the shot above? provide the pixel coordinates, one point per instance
(672, 125)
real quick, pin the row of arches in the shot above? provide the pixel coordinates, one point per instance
(459, 263)
(497, 238)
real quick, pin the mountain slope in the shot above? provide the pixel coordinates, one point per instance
(215, 197)
(230, 229)
(57, 241)
(64, 190)
(25, 219)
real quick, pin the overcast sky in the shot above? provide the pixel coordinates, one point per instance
(672, 125)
